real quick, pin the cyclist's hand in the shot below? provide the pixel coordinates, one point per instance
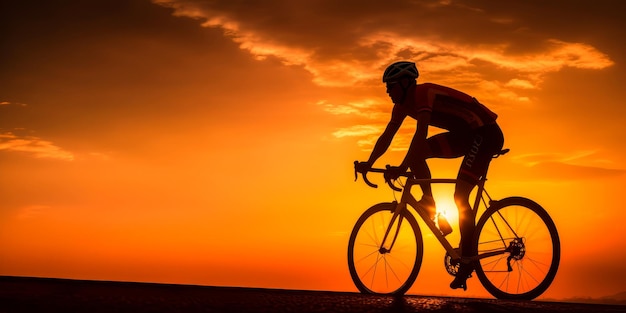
(362, 167)
(393, 172)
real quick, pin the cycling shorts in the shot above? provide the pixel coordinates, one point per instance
(477, 148)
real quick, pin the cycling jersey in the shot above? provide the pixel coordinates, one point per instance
(472, 128)
(450, 109)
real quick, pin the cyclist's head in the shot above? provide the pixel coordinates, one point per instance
(398, 70)
(399, 77)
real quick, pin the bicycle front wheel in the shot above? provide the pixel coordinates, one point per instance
(527, 237)
(390, 267)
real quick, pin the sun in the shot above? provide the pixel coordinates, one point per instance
(446, 206)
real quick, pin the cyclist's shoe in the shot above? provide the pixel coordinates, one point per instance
(465, 272)
(428, 203)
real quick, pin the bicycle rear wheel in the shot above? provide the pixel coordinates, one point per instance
(526, 232)
(385, 269)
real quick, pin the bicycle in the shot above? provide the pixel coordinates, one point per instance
(516, 243)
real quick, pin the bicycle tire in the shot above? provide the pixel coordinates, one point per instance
(376, 272)
(529, 266)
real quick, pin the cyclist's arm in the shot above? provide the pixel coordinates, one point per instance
(418, 144)
(385, 139)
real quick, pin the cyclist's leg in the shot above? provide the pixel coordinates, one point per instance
(485, 142)
(462, 192)
(448, 145)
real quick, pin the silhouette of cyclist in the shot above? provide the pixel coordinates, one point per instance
(472, 132)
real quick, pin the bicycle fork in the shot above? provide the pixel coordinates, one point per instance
(396, 215)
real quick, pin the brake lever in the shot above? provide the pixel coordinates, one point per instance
(390, 182)
(368, 182)
(356, 176)
(392, 186)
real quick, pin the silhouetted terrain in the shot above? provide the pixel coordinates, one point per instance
(619, 299)
(21, 294)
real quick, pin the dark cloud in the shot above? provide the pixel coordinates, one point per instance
(576, 20)
(319, 23)
(328, 38)
(92, 70)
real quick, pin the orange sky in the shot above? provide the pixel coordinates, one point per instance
(211, 142)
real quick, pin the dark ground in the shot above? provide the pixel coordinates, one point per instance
(23, 294)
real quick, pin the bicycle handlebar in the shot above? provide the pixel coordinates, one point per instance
(377, 170)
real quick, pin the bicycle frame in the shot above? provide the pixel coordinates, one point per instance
(408, 198)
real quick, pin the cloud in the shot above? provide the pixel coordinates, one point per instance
(32, 145)
(371, 108)
(348, 47)
(564, 171)
(575, 157)
(35, 146)
(488, 50)
(7, 103)
(520, 83)
(555, 56)
(358, 131)
(570, 166)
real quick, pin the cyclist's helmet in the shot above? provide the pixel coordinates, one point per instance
(400, 69)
